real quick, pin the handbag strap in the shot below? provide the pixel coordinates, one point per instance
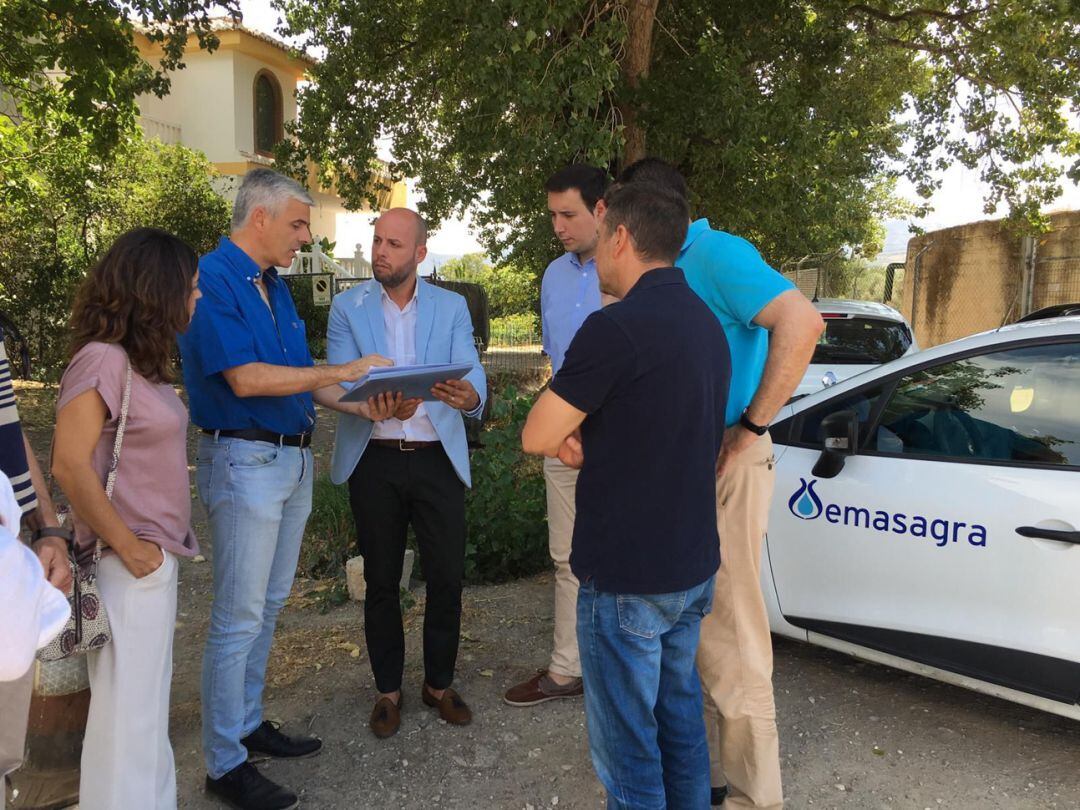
(121, 426)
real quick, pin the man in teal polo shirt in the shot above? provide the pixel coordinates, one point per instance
(771, 329)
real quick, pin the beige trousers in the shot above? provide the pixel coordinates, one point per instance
(735, 653)
(127, 761)
(561, 484)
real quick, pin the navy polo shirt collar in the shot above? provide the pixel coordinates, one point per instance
(657, 278)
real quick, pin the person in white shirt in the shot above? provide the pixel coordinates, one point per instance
(34, 612)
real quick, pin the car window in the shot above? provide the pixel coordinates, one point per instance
(1014, 405)
(854, 341)
(862, 403)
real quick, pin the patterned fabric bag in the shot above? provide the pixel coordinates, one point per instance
(88, 627)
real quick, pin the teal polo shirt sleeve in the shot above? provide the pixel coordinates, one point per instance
(225, 340)
(729, 274)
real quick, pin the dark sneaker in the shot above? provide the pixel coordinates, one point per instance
(268, 741)
(244, 787)
(540, 689)
(719, 794)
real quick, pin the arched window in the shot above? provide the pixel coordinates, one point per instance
(268, 113)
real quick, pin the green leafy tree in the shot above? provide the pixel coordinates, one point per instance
(71, 207)
(791, 120)
(74, 63)
(510, 290)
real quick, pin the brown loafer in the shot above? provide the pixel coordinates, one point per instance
(540, 688)
(386, 717)
(451, 707)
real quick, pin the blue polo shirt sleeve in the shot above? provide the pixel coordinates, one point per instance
(599, 357)
(223, 338)
(730, 275)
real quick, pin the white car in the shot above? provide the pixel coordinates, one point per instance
(926, 515)
(858, 336)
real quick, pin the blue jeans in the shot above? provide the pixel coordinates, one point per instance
(642, 696)
(258, 498)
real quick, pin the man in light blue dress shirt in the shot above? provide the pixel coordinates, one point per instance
(569, 293)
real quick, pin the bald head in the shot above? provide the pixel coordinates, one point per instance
(406, 217)
(398, 247)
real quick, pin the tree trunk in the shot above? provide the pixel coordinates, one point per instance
(635, 66)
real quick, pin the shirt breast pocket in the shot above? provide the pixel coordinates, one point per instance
(294, 336)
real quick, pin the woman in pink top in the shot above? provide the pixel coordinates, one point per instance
(129, 309)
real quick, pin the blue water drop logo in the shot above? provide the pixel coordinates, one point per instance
(805, 503)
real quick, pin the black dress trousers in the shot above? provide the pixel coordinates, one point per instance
(390, 489)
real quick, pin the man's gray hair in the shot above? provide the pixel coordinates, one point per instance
(267, 189)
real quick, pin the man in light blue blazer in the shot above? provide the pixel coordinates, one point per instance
(407, 461)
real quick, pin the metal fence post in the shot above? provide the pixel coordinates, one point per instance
(916, 278)
(1028, 250)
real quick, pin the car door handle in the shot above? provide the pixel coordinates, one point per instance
(1049, 534)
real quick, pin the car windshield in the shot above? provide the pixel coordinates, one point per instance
(861, 341)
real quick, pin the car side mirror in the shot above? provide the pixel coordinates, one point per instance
(840, 431)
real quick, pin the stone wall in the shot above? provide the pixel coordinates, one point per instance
(970, 278)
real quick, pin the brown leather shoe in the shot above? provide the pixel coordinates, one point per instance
(386, 717)
(540, 688)
(451, 707)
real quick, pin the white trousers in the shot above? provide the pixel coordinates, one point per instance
(127, 761)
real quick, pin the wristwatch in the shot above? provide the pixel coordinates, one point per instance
(63, 532)
(757, 430)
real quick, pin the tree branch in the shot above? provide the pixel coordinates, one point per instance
(911, 15)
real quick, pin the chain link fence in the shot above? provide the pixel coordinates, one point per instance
(515, 348)
(981, 276)
(831, 275)
(1056, 281)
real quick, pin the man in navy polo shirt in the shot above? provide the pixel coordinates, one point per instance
(771, 329)
(646, 381)
(252, 386)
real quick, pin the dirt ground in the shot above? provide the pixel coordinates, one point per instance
(853, 735)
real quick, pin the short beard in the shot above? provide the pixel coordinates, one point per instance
(392, 280)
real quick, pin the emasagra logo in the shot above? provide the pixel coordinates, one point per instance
(806, 504)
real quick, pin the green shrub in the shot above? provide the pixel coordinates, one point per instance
(515, 330)
(330, 537)
(315, 317)
(506, 509)
(511, 290)
(63, 209)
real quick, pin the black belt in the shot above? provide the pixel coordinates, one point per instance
(403, 445)
(255, 435)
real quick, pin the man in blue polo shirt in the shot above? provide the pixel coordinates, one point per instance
(772, 330)
(645, 380)
(569, 293)
(252, 386)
